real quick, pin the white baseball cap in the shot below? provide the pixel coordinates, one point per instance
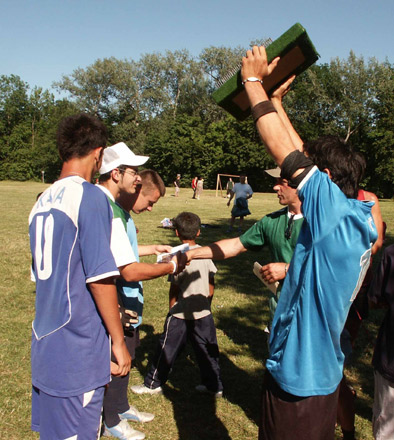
(274, 172)
(120, 154)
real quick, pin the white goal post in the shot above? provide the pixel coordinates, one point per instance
(219, 183)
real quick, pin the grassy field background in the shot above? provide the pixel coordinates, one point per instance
(239, 307)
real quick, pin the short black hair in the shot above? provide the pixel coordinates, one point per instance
(336, 155)
(187, 224)
(151, 180)
(78, 135)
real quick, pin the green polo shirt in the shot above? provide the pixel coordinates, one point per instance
(270, 231)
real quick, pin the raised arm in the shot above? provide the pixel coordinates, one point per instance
(276, 99)
(270, 126)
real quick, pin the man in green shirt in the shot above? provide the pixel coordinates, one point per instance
(278, 230)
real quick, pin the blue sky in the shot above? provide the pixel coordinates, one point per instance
(41, 40)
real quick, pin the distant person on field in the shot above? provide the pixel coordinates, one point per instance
(200, 187)
(242, 192)
(70, 229)
(194, 186)
(381, 294)
(229, 187)
(189, 318)
(177, 185)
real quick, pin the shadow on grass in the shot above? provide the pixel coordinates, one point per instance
(195, 413)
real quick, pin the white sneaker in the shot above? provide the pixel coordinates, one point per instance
(123, 431)
(136, 416)
(142, 389)
(204, 389)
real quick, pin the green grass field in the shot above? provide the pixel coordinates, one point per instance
(239, 307)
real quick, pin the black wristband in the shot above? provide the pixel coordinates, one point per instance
(261, 109)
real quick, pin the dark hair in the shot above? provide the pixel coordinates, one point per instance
(242, 179)
(106, 176)
(344, 164)
(78, 135)
(362, 166)
(151, 180)
(187, 224)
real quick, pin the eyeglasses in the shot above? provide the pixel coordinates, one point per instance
(132, 173)
(289, 228)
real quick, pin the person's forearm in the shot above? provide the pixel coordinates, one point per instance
(217, 251)
(145, 271)
(153, 249)
(144, 250)
(106, 299)
(295, 138)
(211, 292)
(377, 217)
(270, 126)
(173, 295)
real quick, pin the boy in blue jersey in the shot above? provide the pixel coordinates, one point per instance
(329, 263)
(126, 190)
(76, 299)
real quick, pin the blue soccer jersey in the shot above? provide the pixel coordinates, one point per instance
(329, 263)
(70, 232)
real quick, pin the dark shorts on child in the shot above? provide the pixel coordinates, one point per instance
(202, 335)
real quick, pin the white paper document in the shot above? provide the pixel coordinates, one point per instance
(273, 287)
(166, 257)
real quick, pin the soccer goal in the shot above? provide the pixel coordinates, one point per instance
(219, 185)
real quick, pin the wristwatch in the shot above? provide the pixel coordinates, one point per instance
(252, 79)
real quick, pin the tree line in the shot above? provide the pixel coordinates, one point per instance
(161, 106)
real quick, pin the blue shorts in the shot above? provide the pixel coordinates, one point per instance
(67, 418)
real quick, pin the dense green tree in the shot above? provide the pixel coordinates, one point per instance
(107, 88)
(380, 151)
(162, 105)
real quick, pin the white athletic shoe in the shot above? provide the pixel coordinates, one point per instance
(204, 389)
(136, 416)
(142, 389)
(123, 431)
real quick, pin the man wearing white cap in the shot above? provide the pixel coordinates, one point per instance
(120, 181)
